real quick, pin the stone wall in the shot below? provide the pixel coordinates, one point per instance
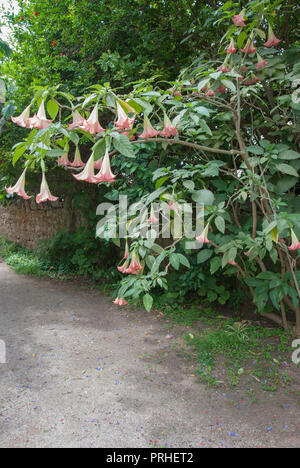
(27, 223)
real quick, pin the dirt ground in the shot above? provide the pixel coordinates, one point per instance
(82, 372)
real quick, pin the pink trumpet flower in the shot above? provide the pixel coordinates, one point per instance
(249, 48)
(135, 266)
(77, 159)
(120, 302)
(123, 268)
(88, 173)
(169, 130)
(295, 245)
(149, 131)
(247, 253)
(123, 122)
(105, 174)
(272, 40)
(231, 49)
(251, 81)
(19, 187)
(40, 120)
(221, 89)
(23, 120)
(64, 160)
(232, 262)
(203, 236)
(153, 219)
(92, 124)
(261, 63)
(45, 194)
(98, 163)
(78, 120)
(126, 254)
(223, 68)
(239, 19)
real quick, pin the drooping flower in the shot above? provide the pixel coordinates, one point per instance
(126, 254)
(272, 40)
(135, 266)
(123, 122)
(23, 120)
(231, 49)
(105, 174)
(92, 124)
(153, 219)
(173, 206)
(45, 194)
(260, 62)
(40, 120)
(251, 81)
(149, 131)
(78, 120)
(120, 302)
(247, 253)
(64, 159)
(224, 68)
(210, 92)
(19, 187)
(98, 163)
(221, 89)
(123, 268)
(77, 159)
(203, 236)
(232, 262)
(169, 130)
(249, 47)
(239, 20)
(88, 173)
(295, 245)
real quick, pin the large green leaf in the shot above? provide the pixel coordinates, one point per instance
(122, 144)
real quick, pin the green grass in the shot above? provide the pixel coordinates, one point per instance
(231, 352)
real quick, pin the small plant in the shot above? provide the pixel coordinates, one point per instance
(238, 330)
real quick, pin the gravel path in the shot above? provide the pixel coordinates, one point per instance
(82, 372)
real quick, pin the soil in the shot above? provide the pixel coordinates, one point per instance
(83, 372)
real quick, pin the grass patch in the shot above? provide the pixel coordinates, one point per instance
(233, 352)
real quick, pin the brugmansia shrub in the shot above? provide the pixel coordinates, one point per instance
(226, 135)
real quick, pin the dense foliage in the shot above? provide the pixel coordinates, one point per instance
(224, 135)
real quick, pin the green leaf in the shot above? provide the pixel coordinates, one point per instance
(290, 154)
(203, 196)
(175, 261)
(99, 148)
(122, 144)
(255, 149)
(285, 183)
(241, 39)
(55, 153)
(205, 127)
(52, 108)
(19, 151)
(229, 84)
(148, 302)
(220, 224)
(161, 181)
(189, 184)
(215, 264)
(183, 260)
(204, 255)
(286, 169)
